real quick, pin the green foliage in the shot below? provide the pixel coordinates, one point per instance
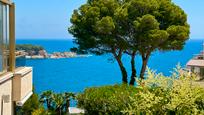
(31, 105)
(46, 97)
(29, 47)
(41, 111)
(107, 100)
(159, 94)
(156, 95)
(56, 103)
(129, 26)
(49, 103)
(95, 27)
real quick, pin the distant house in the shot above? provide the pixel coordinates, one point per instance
(15, 82)
(196, 65)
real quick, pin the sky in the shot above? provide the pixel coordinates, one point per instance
(50, 19)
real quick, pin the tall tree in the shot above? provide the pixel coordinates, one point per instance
(97, 30)
(155, 25)
(129, 26)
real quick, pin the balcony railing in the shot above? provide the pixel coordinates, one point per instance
(22, 85)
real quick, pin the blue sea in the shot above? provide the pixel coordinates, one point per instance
(76, 74)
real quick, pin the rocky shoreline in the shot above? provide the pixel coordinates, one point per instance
(42, 54)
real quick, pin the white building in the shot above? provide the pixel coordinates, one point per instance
(196, 65)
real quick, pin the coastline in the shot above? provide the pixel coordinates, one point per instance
(40, 57)
(42, 54)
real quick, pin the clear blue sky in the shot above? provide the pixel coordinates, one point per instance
(49, 19)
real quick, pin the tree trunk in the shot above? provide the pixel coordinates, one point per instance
(144, 66)
(134, 74)
(120, 63)
(67, 107)
(58, 110)
(48, 104)
(123, 70)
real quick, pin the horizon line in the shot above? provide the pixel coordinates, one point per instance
(74, 38)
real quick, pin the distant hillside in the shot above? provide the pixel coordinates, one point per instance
(29, 47)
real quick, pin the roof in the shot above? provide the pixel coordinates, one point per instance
(196, 63)
(9, 2)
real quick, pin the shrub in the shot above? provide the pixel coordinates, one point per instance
(105, 100)
(157, 95)
(41, 111)
(176, 94)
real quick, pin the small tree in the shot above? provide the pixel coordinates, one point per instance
(57, 103)
(67, 99)
(46, 97)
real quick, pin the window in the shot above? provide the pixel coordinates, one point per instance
(4, 37)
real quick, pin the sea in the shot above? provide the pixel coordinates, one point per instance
(77, 74)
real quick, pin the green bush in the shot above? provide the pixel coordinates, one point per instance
(105, 100)
(177, 94)
(157, 95)
(42, 111)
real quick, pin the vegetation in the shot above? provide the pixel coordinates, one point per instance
(31, 105)
(157, 95)
(49, 103)
(41, 111)
(129, 27)
(107, 100)
(29, 48)
(56, 103)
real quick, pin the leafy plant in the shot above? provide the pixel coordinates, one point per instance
(41, 111)
(56, 103)
(177, 94)
(46, 98)
(156, 95)
(105, 100)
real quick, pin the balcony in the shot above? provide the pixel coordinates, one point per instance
(22, 85)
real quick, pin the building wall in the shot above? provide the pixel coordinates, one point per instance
(27, 87)
(6, 103)
(22, 83)
(15, 88)
(199, 71)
